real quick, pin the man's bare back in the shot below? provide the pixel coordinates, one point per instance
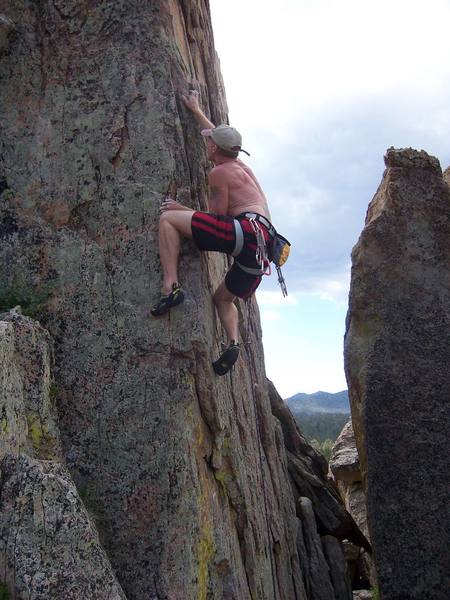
(244, 194)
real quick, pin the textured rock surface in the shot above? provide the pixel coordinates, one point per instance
(344, 459)
(28, 420)
(446, 175)
(397, 352)
(363, 595)
(338, 568)
(345, 467)
(319, 584)
(6, 27)
(188, 473)
(325, 571)
(49, 546)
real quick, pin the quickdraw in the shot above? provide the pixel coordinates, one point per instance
(262, 257)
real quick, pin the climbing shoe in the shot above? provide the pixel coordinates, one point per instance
(168, 301)
(227, 359)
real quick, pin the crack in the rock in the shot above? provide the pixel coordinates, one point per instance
(124, 134)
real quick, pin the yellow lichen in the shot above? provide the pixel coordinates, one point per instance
(205, 551)
(200, 435)
(44, 444)
(205, 548)
(35, 431)
(223, 477)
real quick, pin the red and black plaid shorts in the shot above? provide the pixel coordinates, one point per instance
(216, 233)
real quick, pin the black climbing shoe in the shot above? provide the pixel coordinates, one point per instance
(227, 359)
(168, 301)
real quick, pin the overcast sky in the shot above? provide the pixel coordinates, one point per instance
(319, 90)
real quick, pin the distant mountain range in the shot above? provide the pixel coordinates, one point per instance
(319, 402)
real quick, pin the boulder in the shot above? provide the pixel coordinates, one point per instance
(49, 544)
(345, 468)
(344, 459)
(363, 595)
(397, 352)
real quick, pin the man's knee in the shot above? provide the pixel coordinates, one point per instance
(164, 218)
(179, 220)
(222, 295)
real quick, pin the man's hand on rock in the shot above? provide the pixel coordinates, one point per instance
(191, 101)
(169, 204)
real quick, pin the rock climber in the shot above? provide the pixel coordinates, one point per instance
(237, 224)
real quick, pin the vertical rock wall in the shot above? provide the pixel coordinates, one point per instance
(94, 137)
(397, 356)
(187, 472)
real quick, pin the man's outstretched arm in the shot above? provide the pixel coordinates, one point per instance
(192, 103)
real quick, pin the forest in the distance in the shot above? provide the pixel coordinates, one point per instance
(321, 429)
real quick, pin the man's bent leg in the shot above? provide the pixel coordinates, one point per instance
(173, 225)
(228, 313)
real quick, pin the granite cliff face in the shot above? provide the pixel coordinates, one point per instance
(187, 476)
(397, 356)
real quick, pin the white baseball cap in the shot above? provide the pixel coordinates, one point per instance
(226, 137)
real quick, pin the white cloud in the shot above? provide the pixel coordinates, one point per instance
(305, 57)
(334, 289)
(270, 315)
(270, 298)
(303, 366)
(319, 90)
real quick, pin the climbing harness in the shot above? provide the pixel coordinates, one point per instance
(239, 238)
(279, 252)
(261, 248)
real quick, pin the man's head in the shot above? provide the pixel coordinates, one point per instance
(226, 139)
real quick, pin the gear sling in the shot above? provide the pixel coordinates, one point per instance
(278, 254)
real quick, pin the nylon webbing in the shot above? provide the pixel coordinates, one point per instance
(239, 238)
(249, 270)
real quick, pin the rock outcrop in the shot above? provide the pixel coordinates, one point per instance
(187, 474)
(345, 468)
(397, 356)
(49, 545)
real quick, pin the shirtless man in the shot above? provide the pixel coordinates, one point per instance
(234, 193)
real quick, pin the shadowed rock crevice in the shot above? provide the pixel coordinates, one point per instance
(345, 467)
